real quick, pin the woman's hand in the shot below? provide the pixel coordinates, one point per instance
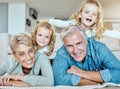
(13, 77)
(5, 79)
(12, 80)
(18, 83)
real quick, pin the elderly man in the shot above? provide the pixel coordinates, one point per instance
(82, 61)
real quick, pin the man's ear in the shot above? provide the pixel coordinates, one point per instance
(86, 41)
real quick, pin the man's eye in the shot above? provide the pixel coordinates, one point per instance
(79, 43)
(69, 46)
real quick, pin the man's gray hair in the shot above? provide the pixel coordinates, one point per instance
(71, 29)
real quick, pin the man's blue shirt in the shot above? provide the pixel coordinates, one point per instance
(98, 58)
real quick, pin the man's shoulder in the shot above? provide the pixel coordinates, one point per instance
(62, 51)
(95, 43)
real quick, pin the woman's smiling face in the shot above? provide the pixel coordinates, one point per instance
(25, 55)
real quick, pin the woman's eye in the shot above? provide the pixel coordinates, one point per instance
(31, 51)
(22, 54)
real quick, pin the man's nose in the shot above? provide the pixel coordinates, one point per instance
(75, 49)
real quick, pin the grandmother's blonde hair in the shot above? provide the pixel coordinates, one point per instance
(48, 26)
(20, 39)
(99, 24)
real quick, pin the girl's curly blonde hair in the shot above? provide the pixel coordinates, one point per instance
(48, 26)
(99, 24)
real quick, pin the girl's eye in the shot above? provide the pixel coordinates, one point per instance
(47, 36)
(40, 34)
(95, 14)
(86, 11)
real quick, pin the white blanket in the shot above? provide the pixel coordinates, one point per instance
(97, 86)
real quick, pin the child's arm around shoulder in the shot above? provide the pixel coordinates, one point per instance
(112, 33)
(62, 23)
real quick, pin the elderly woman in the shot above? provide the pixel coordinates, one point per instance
(25, 68)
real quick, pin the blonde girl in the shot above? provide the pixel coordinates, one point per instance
(89, 16)
(43, 36)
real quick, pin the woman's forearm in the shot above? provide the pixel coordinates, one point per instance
(18, 83)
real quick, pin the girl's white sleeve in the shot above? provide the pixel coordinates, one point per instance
(112, 33)
(62, 23)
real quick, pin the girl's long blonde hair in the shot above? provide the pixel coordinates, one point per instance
(48, 26)
(98, 25)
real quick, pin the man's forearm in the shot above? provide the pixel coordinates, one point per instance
(84, 81)
(92, 75)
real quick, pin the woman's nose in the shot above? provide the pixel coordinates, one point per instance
(28, 56)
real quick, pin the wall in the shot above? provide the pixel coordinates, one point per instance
(3, 17)
(4, 41)
(111, 10)
(16, 18)
(33, 21)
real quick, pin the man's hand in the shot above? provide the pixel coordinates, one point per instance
(75, 70)
(89, 75)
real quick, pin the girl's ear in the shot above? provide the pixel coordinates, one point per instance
(79, 15)
(96, 20)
